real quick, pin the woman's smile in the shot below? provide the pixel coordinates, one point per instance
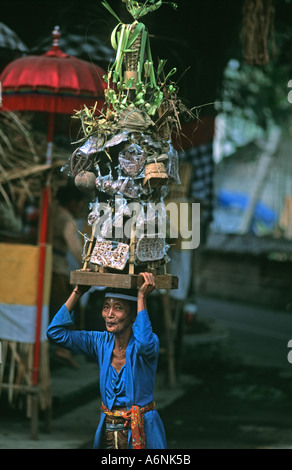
(110, 323)
(116, 314)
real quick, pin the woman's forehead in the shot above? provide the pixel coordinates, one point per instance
(115, 300)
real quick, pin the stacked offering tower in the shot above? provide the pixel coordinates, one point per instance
(126, 157)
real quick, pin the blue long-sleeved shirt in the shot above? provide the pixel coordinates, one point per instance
(140, 369)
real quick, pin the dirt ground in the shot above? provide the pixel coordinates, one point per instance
(232, 406)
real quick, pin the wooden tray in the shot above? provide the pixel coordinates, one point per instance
(123, 281)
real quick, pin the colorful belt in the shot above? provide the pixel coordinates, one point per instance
(133, 417)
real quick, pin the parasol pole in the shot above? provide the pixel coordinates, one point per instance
(42, 252)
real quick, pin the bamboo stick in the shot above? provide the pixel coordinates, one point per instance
(132, 250)
(18, 174)
(11, 372)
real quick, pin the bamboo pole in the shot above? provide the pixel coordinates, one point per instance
(31, 171)
(42, 255)
(132, 250)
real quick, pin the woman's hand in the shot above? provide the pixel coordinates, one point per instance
(148, 285)
(81, 289)
(77, 292)
(145, 289)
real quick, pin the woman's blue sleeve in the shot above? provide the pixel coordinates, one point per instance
(147, 343)
(79, 342)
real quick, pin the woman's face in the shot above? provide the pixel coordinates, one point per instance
(117, 315)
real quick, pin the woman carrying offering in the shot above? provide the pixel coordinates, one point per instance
(127, 354)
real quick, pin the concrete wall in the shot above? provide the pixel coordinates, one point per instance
(255, 279)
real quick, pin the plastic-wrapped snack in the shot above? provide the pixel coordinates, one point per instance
(150, 248)
(94, 215)
(118, 184)
(110, 254)
(117, 139)
(172, 165)
(141, 219)
(156, 218)
(93, 145)
(149, 142)
(105, 183)
(161, 217)
(82, 159)
(132, 161)
(98, 209)
(119, 256)
(98, 181)
(121, 210)
(127, 187)
(137, 191)
(151, 215)
(100, 213)
(107, 228)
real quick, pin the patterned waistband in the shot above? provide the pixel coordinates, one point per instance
(134, 417)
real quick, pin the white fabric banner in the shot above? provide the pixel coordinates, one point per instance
(18, 322)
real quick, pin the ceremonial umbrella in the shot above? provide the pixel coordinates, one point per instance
(54, 82)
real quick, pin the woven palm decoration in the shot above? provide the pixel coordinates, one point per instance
(131, 60)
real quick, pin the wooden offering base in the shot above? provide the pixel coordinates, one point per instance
(122, 281)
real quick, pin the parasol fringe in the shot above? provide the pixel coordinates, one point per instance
(49, 104)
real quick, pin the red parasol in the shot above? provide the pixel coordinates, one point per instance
(54, 82)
